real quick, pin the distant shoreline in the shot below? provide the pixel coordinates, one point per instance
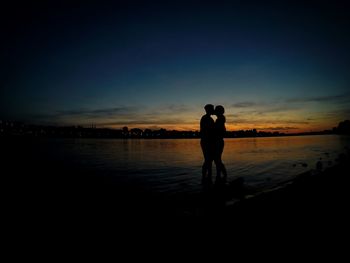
(156, 138)
(18, 129)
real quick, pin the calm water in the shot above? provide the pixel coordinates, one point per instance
(174, 165)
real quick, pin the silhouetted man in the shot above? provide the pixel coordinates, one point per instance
(207, 140)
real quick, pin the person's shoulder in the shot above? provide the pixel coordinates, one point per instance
(204, 120)
(206, 117)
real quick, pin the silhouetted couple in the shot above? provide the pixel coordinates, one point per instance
(212, 140)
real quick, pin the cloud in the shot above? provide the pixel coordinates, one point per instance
(278, 128)
(233, 116)
(276, 109)
(177, 108)
(262, 108)
(339, 114)
(342, 98)
(123, 115)
(95, 112)
(78, 116)
(268, 121)
(250, 108)
(245, 104)
(277, 115)
(170, 110)
(146, 121)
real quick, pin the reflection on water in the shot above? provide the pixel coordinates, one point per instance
(174, 165)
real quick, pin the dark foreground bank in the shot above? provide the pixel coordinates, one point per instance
(42, 191)
(314, 195)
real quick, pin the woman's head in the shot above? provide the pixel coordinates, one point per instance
(219, 110)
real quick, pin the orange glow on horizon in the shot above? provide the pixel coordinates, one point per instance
(231, 127)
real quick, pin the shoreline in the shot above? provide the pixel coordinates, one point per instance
(308, 190)
(312, 193)
(64, 192)
(26, 137)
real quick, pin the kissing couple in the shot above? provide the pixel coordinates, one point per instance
(212, 140)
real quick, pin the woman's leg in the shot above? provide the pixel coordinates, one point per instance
(218, 166)
(223, 168)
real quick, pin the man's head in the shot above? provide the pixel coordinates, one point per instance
(209, 109)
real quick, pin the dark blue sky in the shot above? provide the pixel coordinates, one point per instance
(273, 65)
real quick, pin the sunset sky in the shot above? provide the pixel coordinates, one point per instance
(273, 65)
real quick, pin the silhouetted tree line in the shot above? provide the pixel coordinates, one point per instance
(343, 127)
(252, 133)
(8, 129)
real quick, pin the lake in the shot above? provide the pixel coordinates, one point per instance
(174, 165)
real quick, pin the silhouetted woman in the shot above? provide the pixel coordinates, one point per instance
(220, 131)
